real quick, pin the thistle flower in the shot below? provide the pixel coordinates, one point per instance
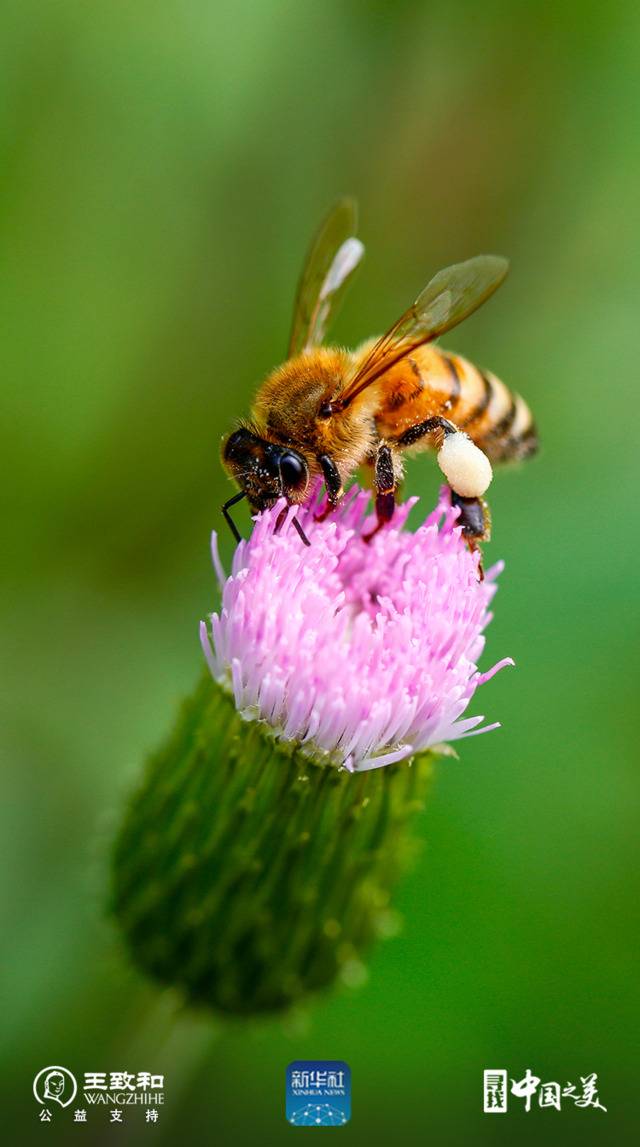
(256, 862)
(362, 654)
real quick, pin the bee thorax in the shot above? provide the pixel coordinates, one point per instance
(467, 470)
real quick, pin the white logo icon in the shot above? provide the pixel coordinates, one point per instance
(495, 1091)
(55, 1085)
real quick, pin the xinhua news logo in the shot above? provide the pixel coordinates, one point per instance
(532, 1091)
(318, 1093)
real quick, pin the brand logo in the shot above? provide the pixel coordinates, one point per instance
(530, 1088)
(55, 1085)
(318, 1093)
(109, 1092)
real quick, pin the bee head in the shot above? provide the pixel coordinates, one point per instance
(264, 470)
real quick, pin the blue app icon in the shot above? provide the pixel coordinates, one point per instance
(318, 1093)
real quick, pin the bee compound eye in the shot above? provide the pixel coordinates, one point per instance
(293, 470)
(326, 410)
(238, 445)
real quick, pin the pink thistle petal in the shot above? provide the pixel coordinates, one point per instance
(207, 650)
(482, 678)
(363, 653)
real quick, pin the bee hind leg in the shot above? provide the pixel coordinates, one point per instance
(475, 519)
(385, 484)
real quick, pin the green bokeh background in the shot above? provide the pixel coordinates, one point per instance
(163, 167)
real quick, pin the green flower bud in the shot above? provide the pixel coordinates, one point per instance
(249, 874)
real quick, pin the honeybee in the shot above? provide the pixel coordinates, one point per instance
(326, 410)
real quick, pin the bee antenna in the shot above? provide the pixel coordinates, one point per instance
(298, 527)
(227, 516)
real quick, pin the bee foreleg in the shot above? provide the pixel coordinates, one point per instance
(333, 484)
(227, 516)
(385, 483)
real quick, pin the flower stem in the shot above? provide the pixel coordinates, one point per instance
(247, 874)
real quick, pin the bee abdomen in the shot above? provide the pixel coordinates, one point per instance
(434, 382)
(512, 434)
(500, 422)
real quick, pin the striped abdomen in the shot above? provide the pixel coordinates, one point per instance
(433, 382)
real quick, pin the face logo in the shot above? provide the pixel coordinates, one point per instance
(55, 1085)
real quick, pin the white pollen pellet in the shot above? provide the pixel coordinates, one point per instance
(467, 470)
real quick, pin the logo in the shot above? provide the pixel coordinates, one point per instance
(55, 1085)
(107, 1092)
(495, 1092)
(530, 1088)
(318, 1093)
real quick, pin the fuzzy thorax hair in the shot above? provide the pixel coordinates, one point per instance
(288, 407)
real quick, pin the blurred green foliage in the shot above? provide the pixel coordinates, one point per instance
(164, 165)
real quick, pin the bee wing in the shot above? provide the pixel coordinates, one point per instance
(451, 295)
(331, 261)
